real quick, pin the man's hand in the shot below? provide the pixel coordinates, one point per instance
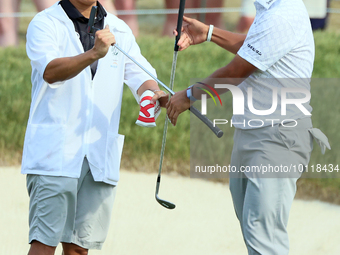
(104, 39)
(193, 32)
(161, 96)
(150, 108)
(61, 69)
(178, 103)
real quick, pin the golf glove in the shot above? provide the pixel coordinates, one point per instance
(148, 112)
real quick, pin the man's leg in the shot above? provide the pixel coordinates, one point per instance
(52, 211)
(247, 17)
(265, 215)
(238, 188)
(262, 202)
(237, 181)
(38, 248)
(171, 19)
(93, 213)
(72, 249)
(262, 206)
(9, 25)
(215, 19)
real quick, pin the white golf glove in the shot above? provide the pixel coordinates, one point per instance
(148, 112)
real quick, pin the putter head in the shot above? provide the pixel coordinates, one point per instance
(162, 202)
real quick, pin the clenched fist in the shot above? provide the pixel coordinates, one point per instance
(104, 39)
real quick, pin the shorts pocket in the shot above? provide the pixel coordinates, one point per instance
(295, 139)
(43, 149)
(114, 151)
(287, 135)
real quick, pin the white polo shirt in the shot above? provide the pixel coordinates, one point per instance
(80, 116)
(280, 44)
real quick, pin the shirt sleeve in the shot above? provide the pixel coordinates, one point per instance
(41, 45)
(269, 39)
(134, 76)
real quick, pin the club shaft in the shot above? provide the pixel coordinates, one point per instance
(173, 70)
(163, 144)
(172, 79)
(145, 70)
(165, 131)
(157, 184)
(218, 132)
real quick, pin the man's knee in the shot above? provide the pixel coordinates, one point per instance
(76, 252)
(73, 249)
(38, 248)
(265, 234)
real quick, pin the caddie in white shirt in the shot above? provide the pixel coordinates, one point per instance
(276, 54)
(72, 148)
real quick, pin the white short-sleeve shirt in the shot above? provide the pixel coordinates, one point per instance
(280, 44)
(78, 117)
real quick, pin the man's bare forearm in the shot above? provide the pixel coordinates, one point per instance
(233, 73)
(147, 85)
(232, 42)
(61, 69)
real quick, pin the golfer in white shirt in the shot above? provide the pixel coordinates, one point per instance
(277, 52)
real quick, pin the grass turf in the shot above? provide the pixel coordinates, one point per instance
(198, 62)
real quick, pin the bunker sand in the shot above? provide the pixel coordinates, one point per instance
(203, 221)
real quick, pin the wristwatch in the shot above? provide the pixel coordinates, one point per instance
(190, 94)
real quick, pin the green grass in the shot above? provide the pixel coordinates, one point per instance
(142, 146)
(327, 52)
(15, 91)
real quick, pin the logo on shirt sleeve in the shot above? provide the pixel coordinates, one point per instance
(254, 49)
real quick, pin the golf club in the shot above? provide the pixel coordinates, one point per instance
(165, 203)
(218, 132)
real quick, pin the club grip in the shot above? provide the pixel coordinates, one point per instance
(91, 19)
(218, 132)
(179, 22)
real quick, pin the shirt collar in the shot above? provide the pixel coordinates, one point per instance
(73, 13)
(266, 3)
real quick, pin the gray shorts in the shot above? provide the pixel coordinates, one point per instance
(262, 201)
(69, 210)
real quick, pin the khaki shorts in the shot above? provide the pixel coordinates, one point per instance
(69, 210)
